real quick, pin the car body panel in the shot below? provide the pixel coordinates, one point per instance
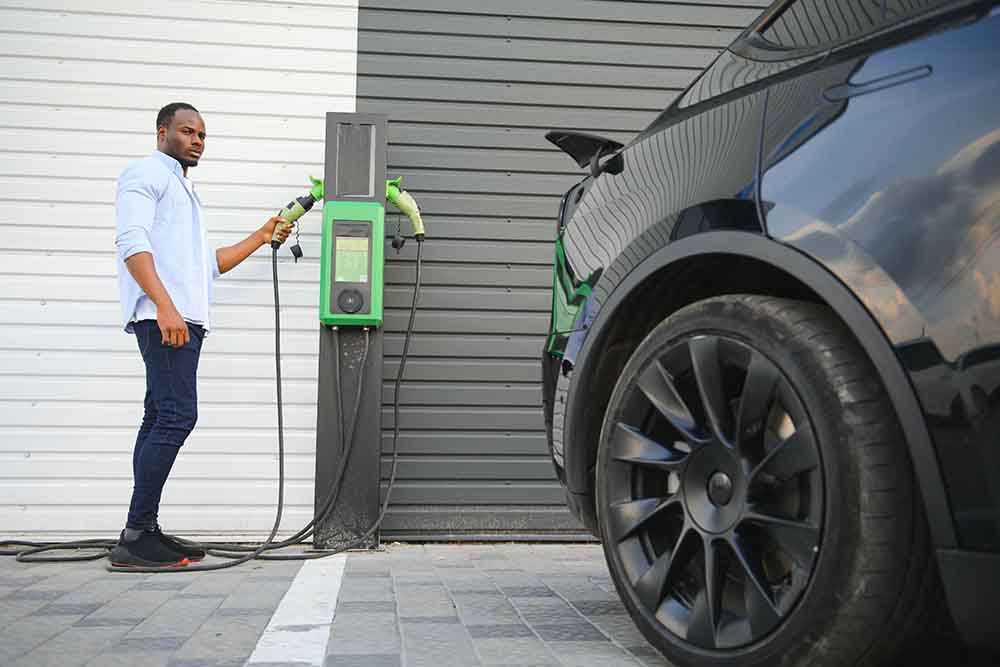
(909, 225)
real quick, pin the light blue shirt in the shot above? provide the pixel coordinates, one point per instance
(157, 211)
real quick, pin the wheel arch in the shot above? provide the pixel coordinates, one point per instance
(711, 264)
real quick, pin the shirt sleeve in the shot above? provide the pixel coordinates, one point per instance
(215, 264)
(135, 209)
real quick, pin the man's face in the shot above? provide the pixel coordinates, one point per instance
(184, 140)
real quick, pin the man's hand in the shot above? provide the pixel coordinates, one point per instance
(173, 328)
(268, 229)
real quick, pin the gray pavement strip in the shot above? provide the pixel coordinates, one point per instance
(362, 660)
(56, 609)
(149, 644)
(162, 585)
(598, 607)
(382, 606)
(243, 611)
(499, 631)
(575, 632)
(429, 619)
(107, 622)
(35, 594)
(210, 662)
(528, 591)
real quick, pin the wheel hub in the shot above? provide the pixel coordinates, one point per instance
(720, 489)
(714, 489)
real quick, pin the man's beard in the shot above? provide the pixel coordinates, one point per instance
(187, 162)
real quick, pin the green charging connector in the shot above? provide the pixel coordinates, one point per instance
(351, 271)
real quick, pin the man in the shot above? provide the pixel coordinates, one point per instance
(165, 276)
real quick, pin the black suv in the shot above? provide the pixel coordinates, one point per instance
(772, 380)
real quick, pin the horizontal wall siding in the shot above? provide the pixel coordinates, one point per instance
(470, 90)
(80, 85)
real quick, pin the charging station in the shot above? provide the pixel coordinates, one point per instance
(349, 402)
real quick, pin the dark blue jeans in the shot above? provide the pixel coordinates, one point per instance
(171, 410)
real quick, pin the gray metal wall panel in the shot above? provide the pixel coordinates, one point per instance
(470, 90)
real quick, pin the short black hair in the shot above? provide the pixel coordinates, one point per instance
(167, 113)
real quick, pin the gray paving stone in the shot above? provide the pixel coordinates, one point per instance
(75, 646)
(11, 611)
(128, 659)
(134, 607)
(149, 644)
(363, 660)
(239, 612)
(60, 609)
(206, 662)
(107, 622)
(621, 628)
(425, 601)
(485, 609)
(257, 594)
(176, 618)
(546, 610)
(367, 607)
(528, 591)
(100, 590)
(517, 651)
(361, 633)
(598, 607)
(164, 584)
(579, 632)
(428, 619)
(18, 580)
(35, 594)
(216, 584)
(438, 645)
(224, 638)
(366, 590)
(499, 631)
(25, 634)
(593, 654)
(647, 655)
(418, 579)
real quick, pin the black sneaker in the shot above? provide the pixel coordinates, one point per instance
(145, 551)
(188, 549)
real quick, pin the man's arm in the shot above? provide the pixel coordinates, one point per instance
(135, 208)
(173, 328)
(230, 257)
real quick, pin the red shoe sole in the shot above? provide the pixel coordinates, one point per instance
(184, 562)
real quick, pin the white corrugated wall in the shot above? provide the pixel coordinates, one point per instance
(80, 85)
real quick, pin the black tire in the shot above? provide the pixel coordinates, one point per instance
(818, 550)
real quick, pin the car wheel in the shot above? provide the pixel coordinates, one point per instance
(754, 492)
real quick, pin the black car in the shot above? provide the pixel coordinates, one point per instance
(772, 381)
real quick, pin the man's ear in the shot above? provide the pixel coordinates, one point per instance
(161, 134)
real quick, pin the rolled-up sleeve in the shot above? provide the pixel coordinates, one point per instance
(135, 210)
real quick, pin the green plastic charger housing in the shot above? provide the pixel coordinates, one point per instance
(352, 212)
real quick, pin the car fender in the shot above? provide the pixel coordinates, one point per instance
(838, 296)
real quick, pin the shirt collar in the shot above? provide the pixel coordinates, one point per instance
(169, 162)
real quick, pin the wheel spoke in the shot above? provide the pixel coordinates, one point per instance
(758, 390)
(629, 445)
(708, 372)
(793, 456)
(703, 629)
(798, 539)
(658, 386)
(761, 610)
(625, 518)
(652, 585)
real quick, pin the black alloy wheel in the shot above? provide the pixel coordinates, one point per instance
(714, 485)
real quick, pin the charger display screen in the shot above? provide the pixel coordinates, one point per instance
(351, 259)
